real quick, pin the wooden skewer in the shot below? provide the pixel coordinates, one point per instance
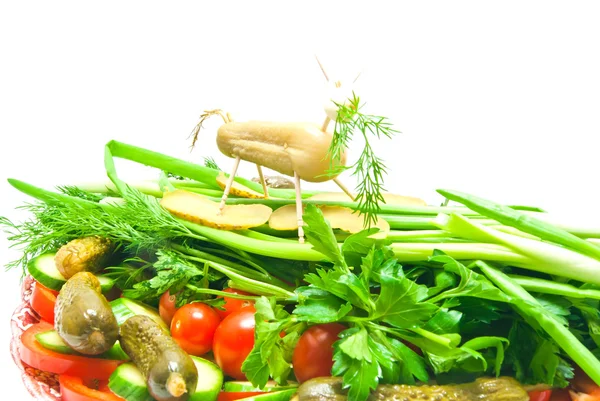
(299, 208)
(236, 164)
(344, 188)
(262, 181)
(325, 124)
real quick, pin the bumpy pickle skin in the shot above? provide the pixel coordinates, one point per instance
(89, 254)
(482, 389)
(170, 373)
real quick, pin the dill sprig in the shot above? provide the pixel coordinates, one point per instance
(211, 163)
(368, 169)
(139, 224)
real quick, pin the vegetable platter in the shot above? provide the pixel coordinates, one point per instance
(204, 285)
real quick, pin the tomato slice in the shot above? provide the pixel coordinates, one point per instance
(542, 395)
(42, 301)
(36, 356)
(233, 396)
(73, 388)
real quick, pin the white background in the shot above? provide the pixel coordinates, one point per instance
(501, 99)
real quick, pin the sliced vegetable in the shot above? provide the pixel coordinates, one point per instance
(52, 341)
(342, 218)
(43, 269)
(199, 209)
(35, 355)
(238, 189)
(129, 383)
(243, 386)
(73, 388)
(124, 308)
(43, 301)
(283, 395)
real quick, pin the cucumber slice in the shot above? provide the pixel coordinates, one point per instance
(43, 269)
(124, 308)
(106, 283)
(210, 380)
(283, 395)
(241, 386)
(52, 341)
(128, 382)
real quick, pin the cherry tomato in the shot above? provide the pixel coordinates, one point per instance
(36, 356)
(234, 396)
(166, 307)
(193, 327)
(234, 339)
(73, 388)
(233, 304)
(42, 301)
(313, 355)
(542, 395)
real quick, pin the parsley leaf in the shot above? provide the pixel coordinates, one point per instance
(319, 233)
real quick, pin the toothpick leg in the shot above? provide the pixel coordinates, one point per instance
(325, 124)
(299, 208)
(343, 188)
(262, 181)
(228, 185)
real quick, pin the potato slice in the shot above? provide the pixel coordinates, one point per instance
(198, 209)
(390, 199)
(342, 218)
(238, 189)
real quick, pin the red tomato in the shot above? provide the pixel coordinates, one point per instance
(313, 355)
(166, 307)
(36, 356)
(42, 301)
(234, 340)
(73, 388)
(233, 396)
(233, 304)
(193, 327)
(542, 395)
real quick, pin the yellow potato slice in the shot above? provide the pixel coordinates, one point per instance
(238, 189)
(342, 218)
(390, 199)
(198, 209)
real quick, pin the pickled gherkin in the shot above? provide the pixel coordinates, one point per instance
(89, 254)
(482, 389)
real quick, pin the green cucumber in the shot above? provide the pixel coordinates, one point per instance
(128, 382)
(241, 386)
(43, 269)
(52, 341)
(210, 380)
(124, 308)
(283, 395)
(106, 283)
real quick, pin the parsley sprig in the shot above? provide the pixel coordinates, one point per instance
(366, 289)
